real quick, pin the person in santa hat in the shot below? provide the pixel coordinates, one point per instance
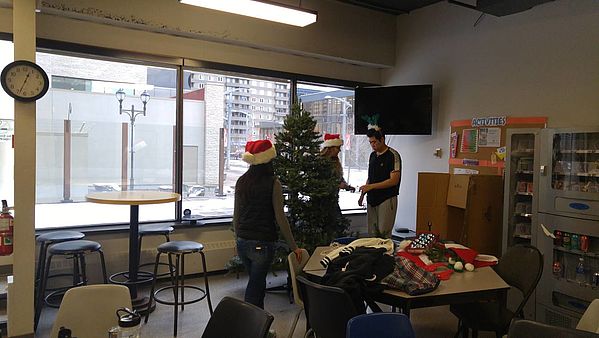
(382, 186)
(257, 212)
(330, 151)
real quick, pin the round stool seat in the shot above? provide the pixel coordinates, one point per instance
(71, 247)
(156, 229)
(180, 247)
(60, 236)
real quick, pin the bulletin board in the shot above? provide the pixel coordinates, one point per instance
(478, 145)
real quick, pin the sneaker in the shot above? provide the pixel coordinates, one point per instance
(271, 334)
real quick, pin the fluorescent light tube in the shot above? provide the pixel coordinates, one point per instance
(259, 9)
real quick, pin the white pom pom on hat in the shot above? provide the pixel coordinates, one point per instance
(259, 152)
(332, 140)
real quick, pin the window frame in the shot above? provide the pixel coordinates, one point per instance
(181, 64)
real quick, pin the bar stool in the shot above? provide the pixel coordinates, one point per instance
(75, 250)
(45, 241)
(179, 249)
(153, 230)
(143, 277)
(48, 239)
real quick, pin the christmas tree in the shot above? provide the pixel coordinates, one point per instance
(310, 187)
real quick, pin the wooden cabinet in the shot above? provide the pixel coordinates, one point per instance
(470, 214)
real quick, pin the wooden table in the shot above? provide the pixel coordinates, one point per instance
(134, 199)
(466, 287)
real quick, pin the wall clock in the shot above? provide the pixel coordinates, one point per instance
(24, 80)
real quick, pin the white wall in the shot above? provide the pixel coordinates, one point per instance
(541, 62)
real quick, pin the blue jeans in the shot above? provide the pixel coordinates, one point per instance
(257, 257)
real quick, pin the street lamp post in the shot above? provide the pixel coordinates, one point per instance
(346, 105)
(132, 113)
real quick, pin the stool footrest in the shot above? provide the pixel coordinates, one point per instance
(59, 292)
(171, 268)
(181, 289)
(142, 277)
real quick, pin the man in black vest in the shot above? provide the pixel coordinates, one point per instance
(382, 186)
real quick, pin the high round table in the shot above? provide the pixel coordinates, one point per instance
(134, 199)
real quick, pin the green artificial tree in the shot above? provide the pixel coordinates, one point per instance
(310, 187)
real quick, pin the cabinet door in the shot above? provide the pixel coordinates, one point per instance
(570, 181)
(521, 187)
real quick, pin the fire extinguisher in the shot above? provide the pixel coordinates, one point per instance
(6, 230)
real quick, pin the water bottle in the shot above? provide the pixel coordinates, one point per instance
(129, 325)
(580, 271)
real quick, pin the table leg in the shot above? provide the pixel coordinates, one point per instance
(140, 303)
(133, 249)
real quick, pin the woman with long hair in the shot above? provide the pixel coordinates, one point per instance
(257, 212)
(331, 147)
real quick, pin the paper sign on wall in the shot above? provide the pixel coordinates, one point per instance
(453, 145)
(469, 142)
(489, 137)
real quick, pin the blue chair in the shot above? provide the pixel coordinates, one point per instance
(380, 325)
(344, 240)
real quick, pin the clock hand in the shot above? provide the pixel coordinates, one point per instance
(24, 82)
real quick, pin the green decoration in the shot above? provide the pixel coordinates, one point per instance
(371, 119)
(311, 191)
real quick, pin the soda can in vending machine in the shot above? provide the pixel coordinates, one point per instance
(575, 242)
(557, 241)
(566, 241)
(584, 243)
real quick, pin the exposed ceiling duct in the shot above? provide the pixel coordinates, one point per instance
(492, 7)
(503, 7)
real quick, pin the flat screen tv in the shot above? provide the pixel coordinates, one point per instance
(402, 110)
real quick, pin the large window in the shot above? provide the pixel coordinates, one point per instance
(333, 110)
(111, 125)
(88, 141)
(217, 123)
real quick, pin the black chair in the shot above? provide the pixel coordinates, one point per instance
(179, 249)
(380, 325)
(520, 267)
(328, 309)
(527, 328)
(75, 250)
(234, 318)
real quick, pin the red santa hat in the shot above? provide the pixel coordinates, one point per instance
(259, 152)
(332, 140)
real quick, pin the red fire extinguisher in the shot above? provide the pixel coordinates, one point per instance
(6, 230)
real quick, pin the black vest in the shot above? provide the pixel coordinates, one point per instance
(256, 214)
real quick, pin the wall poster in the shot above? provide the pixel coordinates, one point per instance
(469, 141)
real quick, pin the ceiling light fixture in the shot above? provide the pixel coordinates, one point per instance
(264, 10)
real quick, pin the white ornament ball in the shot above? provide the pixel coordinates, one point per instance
(458, 266)
(451, 261)
(469, 267)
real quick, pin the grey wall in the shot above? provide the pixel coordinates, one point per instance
(541, 62)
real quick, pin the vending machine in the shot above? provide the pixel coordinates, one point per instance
(568, 224)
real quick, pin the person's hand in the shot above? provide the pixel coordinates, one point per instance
(298, 254)
(365, 188)
(361, 200)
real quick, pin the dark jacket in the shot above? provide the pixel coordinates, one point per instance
(359, 273)
(256, 214)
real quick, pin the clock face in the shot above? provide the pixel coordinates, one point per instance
(24, 80)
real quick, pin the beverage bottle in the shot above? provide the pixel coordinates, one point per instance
(566, 240)
(580, 278)
(129, 324)
(574, 242)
